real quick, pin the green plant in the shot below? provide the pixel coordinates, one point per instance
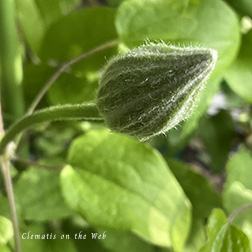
(71, 176)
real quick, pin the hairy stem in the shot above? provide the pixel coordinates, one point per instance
(63, 68)
(238, 211)
(87, 112)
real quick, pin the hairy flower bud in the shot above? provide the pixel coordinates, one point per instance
(150, 89)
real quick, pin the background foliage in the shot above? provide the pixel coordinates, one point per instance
(175, 192)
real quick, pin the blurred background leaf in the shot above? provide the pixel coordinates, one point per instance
(243, 6)
(237, 190)
(218, 138)
(239, 75)
(38, 193)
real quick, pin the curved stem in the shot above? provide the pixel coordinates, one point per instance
(62, 69)
(65, 112)
(238, 211)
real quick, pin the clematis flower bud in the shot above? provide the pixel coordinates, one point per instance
(152, 88)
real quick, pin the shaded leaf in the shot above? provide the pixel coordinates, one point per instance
(50, 10)
(35, 76)
(218, 138)
(196, 187)
(53, 243)
(197, 237)
(114, 3)
(95, 26)
(126, 241)
(242, 6)
(129, 187)
(73, 89)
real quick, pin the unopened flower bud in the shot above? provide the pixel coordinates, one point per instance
(152, 88)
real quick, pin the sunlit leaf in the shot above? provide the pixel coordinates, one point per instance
(222, 237)
(128, 187)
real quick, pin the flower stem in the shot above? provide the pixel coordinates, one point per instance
(85, 111)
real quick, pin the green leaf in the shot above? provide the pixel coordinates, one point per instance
(6, 230)
(69, 5)
(242, 6)
(197, 236)
(218, 138)
(49, 244)
(35, 76)
(32, 23)
(235, 197)
(196, 187)
(76, 227)
(114, 3)
(201, 22)
(4, 248)
(124, 240)
(73, 89)
(69, 88)
(38, 193)
(222, 237)
(41, 14)
(50, 10)
(86, 29)
(127, 187)
(237, 190)
(239, 75)
(239, 169)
